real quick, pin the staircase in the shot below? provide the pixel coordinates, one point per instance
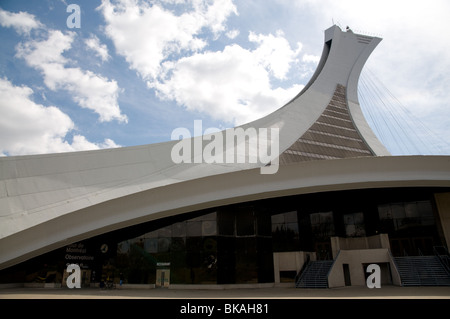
(315, 275)
(422, 271)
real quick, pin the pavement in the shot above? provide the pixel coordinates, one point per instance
(385, 292)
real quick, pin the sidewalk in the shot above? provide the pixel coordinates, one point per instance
(386, 292)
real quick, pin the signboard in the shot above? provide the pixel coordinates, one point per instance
(163, 264)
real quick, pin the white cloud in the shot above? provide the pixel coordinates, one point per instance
(101, 50)
(146, 35)
(30, 128)
(232, 85)
(88, 89)
(80, 143)
(214, 15)
(232, 34)
(274, 52)
(22, 22)
(310, 58)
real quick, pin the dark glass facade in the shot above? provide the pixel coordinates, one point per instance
(234, 244)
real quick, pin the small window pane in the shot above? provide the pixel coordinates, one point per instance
(179, 229)
(151, 245)
(209, 228)
(194, 229)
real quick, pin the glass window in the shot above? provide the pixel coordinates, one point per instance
(209, 228)
(152, 234)
(194, 229)
(151, 245)
(348, 219)
(398, 211)
(211, 216)
(411, 210)
(290, 217)
(163, 244)
(285, 232)
(246, 260)
(123, 247)
(285, 218)
(178, 244)
(425, 209)
(409, 214)
(426, 213)
(358, 218)
(315, 219)
(350, 230)
(384, 212)
(165, 232)
(263, 225)
(245, 223)
(278, 219)
(179, 229)
(354, 224)
(322, 224)
(292, 227)
(278, 227)
(226, 224)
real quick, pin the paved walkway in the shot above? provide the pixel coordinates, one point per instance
(386, 292)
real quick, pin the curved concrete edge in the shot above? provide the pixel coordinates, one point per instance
(356, 113)
(247, 185)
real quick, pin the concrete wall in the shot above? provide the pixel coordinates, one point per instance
(371, 242)
(356, 260)
(290, 261)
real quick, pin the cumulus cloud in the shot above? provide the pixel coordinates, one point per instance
(100, 49)
(274, 52)
(88, 89)
(25, 129)
(232, 33)
(22, 22)
(168, 51)
(310, 58)
(232, 85)
(147, 34)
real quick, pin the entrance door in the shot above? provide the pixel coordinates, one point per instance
(162, 278)
(347, 279)
(323, 250)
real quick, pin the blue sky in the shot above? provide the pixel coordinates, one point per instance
(136, 70)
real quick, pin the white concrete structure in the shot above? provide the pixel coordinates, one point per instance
(49, 201)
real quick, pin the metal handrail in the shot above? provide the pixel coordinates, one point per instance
(444, 259)
(435, 250)
(396, 266)
(300, 272)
